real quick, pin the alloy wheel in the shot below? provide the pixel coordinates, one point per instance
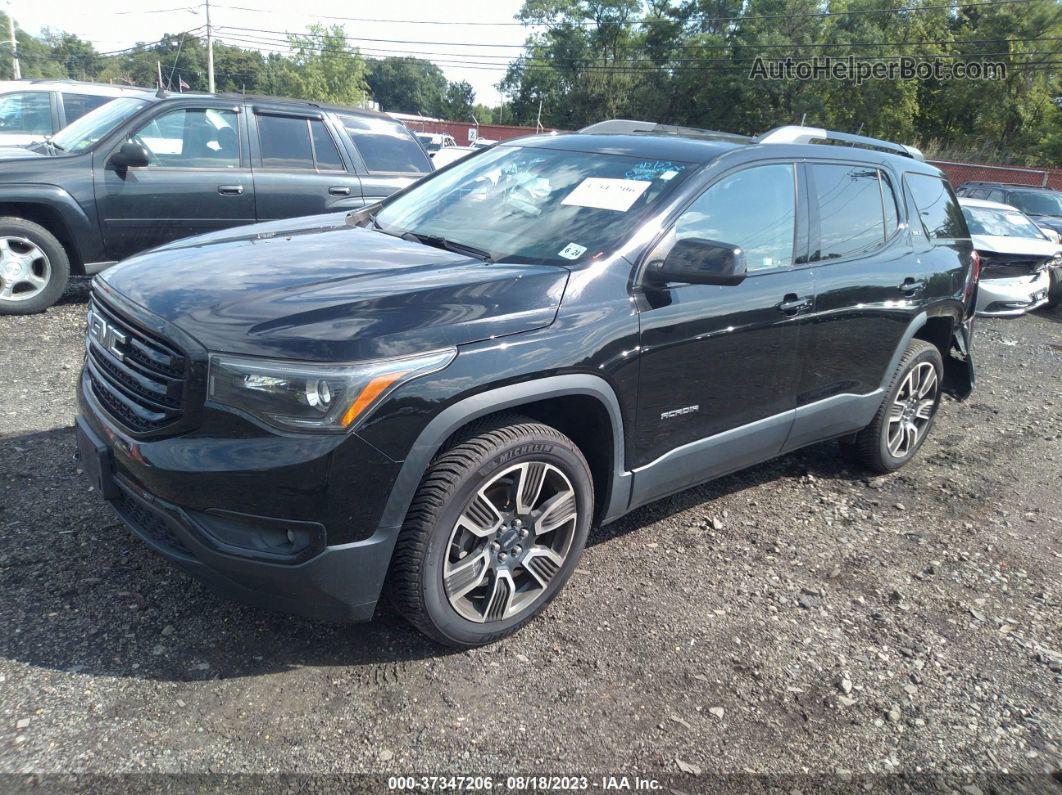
(24, 269)
(509, 542)
(912, 409)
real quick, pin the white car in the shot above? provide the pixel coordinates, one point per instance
(434, 142)
(445, 157)
(1017, 258)
(32, 110)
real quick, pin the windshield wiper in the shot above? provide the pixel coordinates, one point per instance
(450, 245)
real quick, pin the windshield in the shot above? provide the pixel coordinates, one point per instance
(86, 131)
(1004, 223)
(542, 206)
(1037, 203)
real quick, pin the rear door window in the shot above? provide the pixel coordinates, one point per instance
(77, 105)
(326, 155)
(285, 142)
(386, 147)
(851, 210)
(937, 206)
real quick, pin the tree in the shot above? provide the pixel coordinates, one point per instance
(407, 85)
(458, 102)
(323, 66)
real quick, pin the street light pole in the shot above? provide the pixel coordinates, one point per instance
(210, 50)
(17, 71)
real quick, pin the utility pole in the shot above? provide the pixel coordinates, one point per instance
(158, 66)
(14, 45)
(210, 50)
(538, 119)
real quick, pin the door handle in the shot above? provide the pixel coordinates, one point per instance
(793, 303)
(230, 190)
(911, 285)
(339, 190)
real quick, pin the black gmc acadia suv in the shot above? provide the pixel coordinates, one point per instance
(439, 395)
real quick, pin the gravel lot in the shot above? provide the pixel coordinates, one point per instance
(798, 617)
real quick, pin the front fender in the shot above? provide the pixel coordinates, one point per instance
(80, 233)
(491, 401)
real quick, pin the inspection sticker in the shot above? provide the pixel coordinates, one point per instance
(572, 251)
(607, 194)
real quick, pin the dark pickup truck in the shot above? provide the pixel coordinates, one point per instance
(150, 168)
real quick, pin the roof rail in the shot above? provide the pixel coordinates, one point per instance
(630, 127)
(795, 134)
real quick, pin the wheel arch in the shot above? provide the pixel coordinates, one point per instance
(941, 327)
(56, 211)
(552, 400)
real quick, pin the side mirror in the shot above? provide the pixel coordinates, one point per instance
(698, 261)
(131, 155)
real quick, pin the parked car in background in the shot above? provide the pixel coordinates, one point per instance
(145, 170)
(31, 110)
(445, 394)
(1019, 263)
(433, 142)
(1042, 205)
(450, 154)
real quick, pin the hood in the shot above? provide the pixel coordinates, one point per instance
(330, 293)
(1053, 221)
(1020, 246)
(18, 153)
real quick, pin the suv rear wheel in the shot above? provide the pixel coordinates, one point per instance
(906, 414)
(494, 531)
(34, 268)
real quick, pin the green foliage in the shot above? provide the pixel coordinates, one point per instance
(673, 61)
(689, 62)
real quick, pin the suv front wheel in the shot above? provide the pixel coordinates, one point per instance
(34, 267)
(907, 413)
(494, 531)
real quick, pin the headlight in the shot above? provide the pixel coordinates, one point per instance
(302, 396)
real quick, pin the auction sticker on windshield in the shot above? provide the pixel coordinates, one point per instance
(572, 251)
(606, 194)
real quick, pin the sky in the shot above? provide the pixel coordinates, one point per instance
(492, 34)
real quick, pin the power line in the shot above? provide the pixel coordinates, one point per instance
(284, 36)
(652, 21)
(638, 63)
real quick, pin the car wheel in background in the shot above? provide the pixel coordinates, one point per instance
(34, 268)
(1054, 292)
(494, 531)
(906, 415)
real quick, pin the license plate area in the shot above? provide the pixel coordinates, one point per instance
(96, 460)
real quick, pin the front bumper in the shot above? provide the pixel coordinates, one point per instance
(1012, 297)
(216, 513)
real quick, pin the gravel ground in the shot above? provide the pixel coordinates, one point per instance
(794, 618)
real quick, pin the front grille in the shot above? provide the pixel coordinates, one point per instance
(138, 378)
(1008, 267)
(149, 524)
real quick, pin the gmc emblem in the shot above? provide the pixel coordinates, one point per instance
(106, 336)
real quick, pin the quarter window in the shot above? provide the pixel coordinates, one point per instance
(937, 207)
(754, 209)
(851, 212)
(192, 138)
(386, 147)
